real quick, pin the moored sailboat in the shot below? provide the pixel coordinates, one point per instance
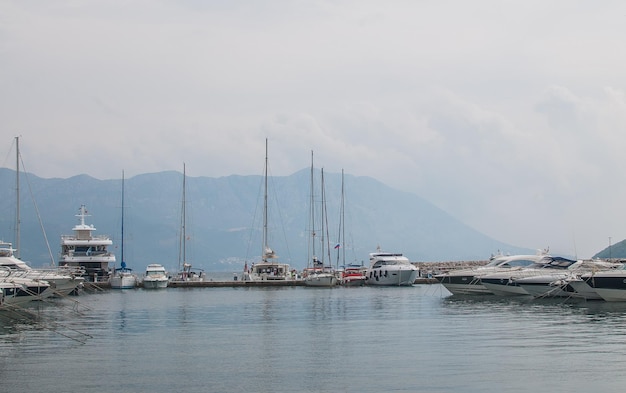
(186, 272)
(123, 277)
(318, 274)
(351, 275)
(269, 268)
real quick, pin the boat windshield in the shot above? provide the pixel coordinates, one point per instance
(553, 263)
(391, 263)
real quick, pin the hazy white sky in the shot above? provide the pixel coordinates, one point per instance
(510, 115)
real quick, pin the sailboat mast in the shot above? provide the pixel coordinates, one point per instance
(265, 240)
(312, 218)
(325, 235)
(343, 222)
(342, 227)
(17, 195)
(123, 264)
(184, 216)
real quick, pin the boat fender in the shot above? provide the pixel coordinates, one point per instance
(385, 273)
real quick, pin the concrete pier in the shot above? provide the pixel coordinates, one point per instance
(233, 283)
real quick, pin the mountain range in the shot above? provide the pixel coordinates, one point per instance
(224, 219)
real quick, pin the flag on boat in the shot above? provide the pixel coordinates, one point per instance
(337, 246)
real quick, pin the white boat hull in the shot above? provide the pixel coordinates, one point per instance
(389, 277)
(155, 283)
(66, 285)
(155, 277)
(551, 285)
(467, 289)
(321, 280)
(584, 291)
(353, 281)
(18, 293)
(123, 281)
(609, 285)
(611, 294)
(505, 289)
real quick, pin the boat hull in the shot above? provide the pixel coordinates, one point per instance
(609, 285)
(125, 281)
(504, 287)
(155, 283)
(353, 281)
(389, 277)
(463, 285)
(321, 280)
(584, 290)
(552, 285)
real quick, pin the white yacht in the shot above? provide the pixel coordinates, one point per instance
(19, 290)
(318, 275)
(63, 281)
(155, 277)
(123, 278)
(185, 272)
(567, 283)
(468, 281)
(83, 249)
(268, 269)
(388, 268)
(610, 285)
(508, 283)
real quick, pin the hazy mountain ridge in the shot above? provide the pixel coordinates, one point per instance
(224, 219)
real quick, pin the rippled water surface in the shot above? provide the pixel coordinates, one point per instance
(416, 339)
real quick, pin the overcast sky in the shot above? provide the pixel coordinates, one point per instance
(509, 115)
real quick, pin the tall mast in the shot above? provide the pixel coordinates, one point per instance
(184, 217)
(265, 245)
(342, 227)
(312, 211)
(123, 264)
(17, 194)
(324, 226)
(343, 221)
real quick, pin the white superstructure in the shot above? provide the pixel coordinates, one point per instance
(87, 250)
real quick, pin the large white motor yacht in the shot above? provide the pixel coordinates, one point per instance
(63, 281)
(508, 283)
(87, 250)
(19, 290)
(468, 281)
(388, 268)
(610, 285)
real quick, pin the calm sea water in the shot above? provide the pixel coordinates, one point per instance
(415, 339)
